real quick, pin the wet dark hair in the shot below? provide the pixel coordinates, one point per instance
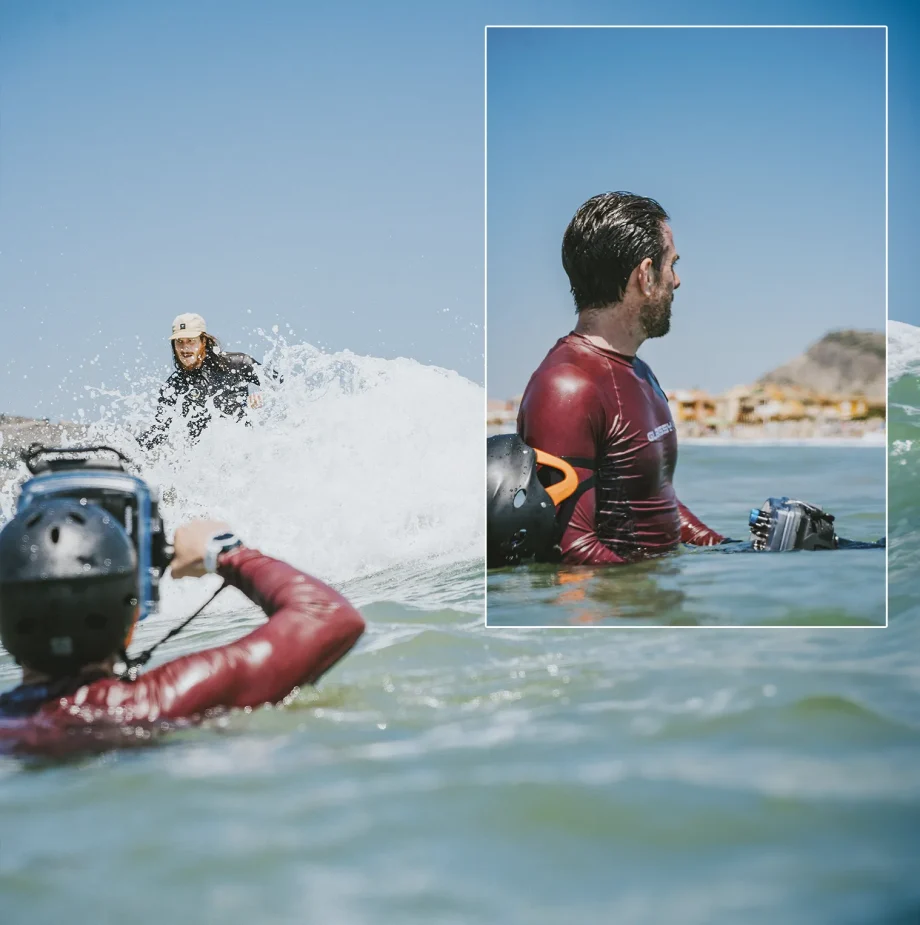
(609, 236)
(212, 353)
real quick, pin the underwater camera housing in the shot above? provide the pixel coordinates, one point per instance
(783, 524)
(87, 474)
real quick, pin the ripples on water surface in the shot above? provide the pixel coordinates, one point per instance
(727, 588)
(445, 773)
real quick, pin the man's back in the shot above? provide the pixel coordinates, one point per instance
(310, 627)
(608, 416)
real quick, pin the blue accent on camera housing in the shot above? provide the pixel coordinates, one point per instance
(140, 511)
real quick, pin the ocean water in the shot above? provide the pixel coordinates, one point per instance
(720, 586)
(904, 474)
(449, 773)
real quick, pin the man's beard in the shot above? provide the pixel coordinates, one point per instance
(194, 362)
(655, 317)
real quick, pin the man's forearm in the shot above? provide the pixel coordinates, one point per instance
(694, 531)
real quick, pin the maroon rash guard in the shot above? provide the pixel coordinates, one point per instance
(607, 415)
(309, 628)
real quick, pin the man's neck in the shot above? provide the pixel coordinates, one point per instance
(106, 667)
(612, 327)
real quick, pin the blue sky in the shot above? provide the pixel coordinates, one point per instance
(283, 164)
(766, 146)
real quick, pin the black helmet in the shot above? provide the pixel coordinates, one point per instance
(520, 512)
(68, 586)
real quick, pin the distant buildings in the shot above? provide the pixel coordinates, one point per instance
(502, 414)
(763, 409)
(747, 408)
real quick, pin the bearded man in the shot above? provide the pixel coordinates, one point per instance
(596, 405)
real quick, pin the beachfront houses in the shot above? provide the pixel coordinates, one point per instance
(751, 409)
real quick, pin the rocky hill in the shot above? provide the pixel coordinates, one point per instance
(841, 363)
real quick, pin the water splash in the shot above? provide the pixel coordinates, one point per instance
(903, 349)
(353, 466)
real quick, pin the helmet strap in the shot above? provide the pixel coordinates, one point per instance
(135, 663)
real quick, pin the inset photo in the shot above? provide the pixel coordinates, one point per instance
(686, 310)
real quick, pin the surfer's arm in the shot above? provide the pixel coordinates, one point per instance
(562, 414)
(252, 376)
(258, 370)
(309, 628)
(156, 433)
(694, 531)
(251, 373)
(245, 368)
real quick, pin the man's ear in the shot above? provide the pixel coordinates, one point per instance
(646, 277)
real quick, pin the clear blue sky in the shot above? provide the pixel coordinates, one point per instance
(284, 163)
(315, 168)
(766, 146)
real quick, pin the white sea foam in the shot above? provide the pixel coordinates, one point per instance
(903, 349)
(354, 465)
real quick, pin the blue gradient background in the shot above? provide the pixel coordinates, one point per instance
(766, 146)
(285, 164)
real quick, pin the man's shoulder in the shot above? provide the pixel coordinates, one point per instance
(564, 378)
(563, 373)
(239, 360)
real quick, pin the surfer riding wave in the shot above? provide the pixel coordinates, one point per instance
(205, 377)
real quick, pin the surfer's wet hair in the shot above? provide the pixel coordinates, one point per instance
(212, 350)
(609, 236)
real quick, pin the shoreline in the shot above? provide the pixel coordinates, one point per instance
(851, 442)
(17, 433)
(873, 440)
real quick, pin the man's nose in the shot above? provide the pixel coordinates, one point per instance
(676, 280)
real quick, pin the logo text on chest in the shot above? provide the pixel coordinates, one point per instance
(660, 431)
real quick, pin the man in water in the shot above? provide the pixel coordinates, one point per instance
(68, 605)
(204, 373)
(596, 405)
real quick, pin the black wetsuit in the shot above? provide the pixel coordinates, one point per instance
(222, 380)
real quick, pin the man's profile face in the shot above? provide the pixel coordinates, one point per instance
(655, 313)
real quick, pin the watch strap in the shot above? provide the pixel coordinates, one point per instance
(219, 543)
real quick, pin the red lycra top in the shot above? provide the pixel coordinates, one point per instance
(309, 628)
(608, 416)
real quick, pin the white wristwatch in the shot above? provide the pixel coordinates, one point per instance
(219, 543)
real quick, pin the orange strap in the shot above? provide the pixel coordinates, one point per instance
(561, 490)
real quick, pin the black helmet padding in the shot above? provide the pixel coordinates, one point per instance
(68, 586)
(520, 515)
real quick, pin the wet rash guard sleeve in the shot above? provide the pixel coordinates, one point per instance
(563, 415)
(694, 531)
(309, 628)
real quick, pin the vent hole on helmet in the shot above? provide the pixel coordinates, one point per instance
(55, 534)
(520, 496)
(75, 517)
(96, 621)
(34, 519)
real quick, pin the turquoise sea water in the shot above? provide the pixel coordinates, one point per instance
(446, 772)
(720, 484)
(449, 773)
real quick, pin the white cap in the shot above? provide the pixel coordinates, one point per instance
(188, 325)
